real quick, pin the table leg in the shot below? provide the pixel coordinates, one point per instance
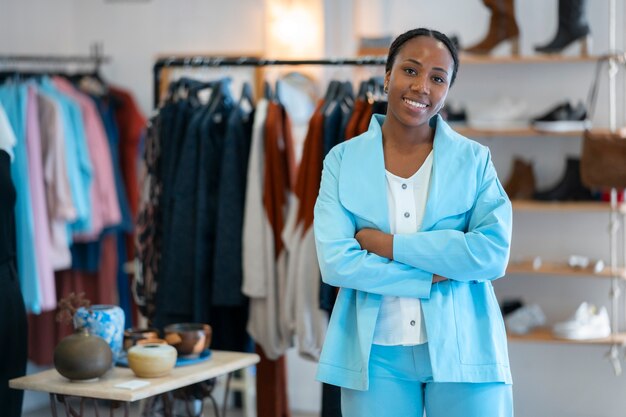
(71, 412)
(53, 405)
(226, 392)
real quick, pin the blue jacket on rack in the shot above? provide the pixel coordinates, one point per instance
(465, 237)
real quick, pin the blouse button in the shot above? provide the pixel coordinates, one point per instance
(407, 214)
(412, 322)
(404, 186)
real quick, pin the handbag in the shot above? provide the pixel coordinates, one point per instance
(603, 155)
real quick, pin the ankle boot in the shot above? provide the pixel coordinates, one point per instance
(572, 27)
(521, 182)
(569, 187)
(502, 27)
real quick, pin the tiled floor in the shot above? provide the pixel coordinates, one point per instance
(135, 412)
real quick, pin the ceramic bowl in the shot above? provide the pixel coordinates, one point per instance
(152, 341)
(134, 335)
(152, 360)
(189, 339)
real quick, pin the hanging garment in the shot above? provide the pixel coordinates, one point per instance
(227, 269)
(149, 233)
(131, 125)
(106, 107)
(258, 250)
(61, 210)
(41, 228)
(307, 319)
(13, 98)
(78, 159)
(265, 285)
(105, 205)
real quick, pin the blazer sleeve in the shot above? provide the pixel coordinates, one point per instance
(481, 253)
(342, 261)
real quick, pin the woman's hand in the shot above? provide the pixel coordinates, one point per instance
(438, 278)
(375, 241)
(381, 244)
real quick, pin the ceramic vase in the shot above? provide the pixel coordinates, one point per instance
(151, 360)
(106, 321)
(82, 356)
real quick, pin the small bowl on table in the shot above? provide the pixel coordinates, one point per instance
(189, 339)
(134, 335)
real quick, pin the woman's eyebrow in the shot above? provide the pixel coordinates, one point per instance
(416, 62)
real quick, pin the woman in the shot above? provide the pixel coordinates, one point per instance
(412, 224)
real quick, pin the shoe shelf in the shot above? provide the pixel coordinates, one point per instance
(565, 206)
(513, 132)
(525, 59)
(561, 269)
(544, 335)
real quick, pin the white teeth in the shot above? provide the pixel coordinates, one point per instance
(414, 103)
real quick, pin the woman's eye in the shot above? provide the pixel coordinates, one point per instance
(410, 71)
(439, 80)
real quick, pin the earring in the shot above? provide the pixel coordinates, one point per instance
(386, 88)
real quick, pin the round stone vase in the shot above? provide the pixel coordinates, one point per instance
(82, 356)
(106, 321)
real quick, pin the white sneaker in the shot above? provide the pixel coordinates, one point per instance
(498, 113)
(586, 323)
(524, 319)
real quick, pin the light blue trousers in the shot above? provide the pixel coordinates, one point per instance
(401, 385)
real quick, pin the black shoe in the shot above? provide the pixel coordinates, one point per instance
(569, 187)
(452, 114)
(509, 305)
(572, 27)
(563, 118)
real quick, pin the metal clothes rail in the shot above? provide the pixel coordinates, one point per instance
(217, 61)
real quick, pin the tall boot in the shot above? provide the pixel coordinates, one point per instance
(521, 182)
(573, 27)
(502, 27)
(569, 187)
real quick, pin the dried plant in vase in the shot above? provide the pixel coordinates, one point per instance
(69, 305)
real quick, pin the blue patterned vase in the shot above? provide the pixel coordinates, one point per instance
(106, 321)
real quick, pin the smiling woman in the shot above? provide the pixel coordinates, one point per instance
(412, 224)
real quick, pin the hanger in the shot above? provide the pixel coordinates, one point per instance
(267, 91)
(277, 91)
(246, 102)
(329, 98)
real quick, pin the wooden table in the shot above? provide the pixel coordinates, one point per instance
(50, 381)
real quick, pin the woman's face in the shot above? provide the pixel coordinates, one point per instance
(418, 81)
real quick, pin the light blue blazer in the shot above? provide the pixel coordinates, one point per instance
(465, 236)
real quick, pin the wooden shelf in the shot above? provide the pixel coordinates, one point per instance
(544, 335)
(524, 59)
(512, 132)
(561, 269)
(565, 206)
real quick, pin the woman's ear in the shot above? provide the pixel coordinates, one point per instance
(386, 82)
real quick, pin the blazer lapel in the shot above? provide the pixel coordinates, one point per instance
(451, 180)
(362, 183)
(363, 187)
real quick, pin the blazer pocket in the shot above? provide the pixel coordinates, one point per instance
(479, 326)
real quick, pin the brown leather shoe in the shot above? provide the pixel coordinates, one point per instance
(521, 182)
(502, 27)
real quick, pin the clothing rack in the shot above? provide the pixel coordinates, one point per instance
(220, 61)
(96, 57)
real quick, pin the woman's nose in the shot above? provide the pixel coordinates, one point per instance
(420, 85)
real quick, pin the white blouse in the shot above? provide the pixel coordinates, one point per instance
(400, 320)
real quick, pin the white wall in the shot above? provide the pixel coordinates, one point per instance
(133, 33)
(549, 380)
